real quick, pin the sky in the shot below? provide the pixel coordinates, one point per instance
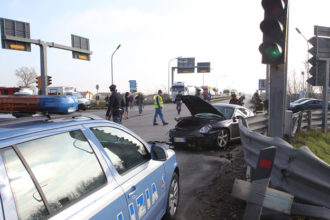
(151, 33)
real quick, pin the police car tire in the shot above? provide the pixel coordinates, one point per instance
(170, 214)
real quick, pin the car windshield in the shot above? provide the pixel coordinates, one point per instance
(226, 111)
(300, 100)
(208, 115)
(76, 94)
(177, 88)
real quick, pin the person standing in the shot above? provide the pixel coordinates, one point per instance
(198, 93)
(139, 100)
(127, 102)
(159, 105)
(115, 107)
(234, 99)
(178, 101)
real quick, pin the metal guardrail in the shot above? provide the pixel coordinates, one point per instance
(305, 120)
(258, 123)
(296, 170)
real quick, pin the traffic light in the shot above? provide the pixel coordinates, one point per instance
(317, 66)
(49, 80)
(274, 28)
(38, 82)
(263, 83)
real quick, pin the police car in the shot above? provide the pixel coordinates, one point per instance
(81, 167)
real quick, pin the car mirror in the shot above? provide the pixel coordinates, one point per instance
(158, 152)
(234, 119)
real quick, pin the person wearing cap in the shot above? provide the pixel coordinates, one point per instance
(198, 93)
(116, 104)
(159, 105)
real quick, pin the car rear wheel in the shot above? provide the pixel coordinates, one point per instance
(222, 138)
(173, 198)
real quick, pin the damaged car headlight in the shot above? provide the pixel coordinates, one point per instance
(205, 129)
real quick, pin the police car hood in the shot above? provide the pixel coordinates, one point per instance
(197, 105)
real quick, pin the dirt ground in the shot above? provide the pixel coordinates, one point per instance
(215, 201)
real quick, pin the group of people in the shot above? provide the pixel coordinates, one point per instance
(119, 105)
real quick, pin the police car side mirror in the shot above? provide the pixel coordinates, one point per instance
(158, 153)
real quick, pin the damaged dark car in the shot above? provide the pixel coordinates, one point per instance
(209, 125)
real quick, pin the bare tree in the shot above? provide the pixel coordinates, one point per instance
(26, 76)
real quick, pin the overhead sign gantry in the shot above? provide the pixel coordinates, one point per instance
(15, 35)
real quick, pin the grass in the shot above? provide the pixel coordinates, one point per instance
(318, 143)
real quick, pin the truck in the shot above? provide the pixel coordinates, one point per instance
(83, 103)
(176, 87)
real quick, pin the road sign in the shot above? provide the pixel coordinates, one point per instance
(80, 43)
(186, 65)
(262, 84)
(203, 67)
(11, 28)
(132, 85)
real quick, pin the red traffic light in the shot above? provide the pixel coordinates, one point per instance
(273, 7)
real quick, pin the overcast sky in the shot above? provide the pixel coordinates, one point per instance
(151, 32)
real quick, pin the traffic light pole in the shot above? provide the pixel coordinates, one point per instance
(277, 105)
(43, 67)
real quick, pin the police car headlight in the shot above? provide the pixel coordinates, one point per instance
(205, 129)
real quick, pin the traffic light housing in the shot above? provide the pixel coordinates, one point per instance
(38, 82)
(49, 80)
(274, 28)
(316, 65)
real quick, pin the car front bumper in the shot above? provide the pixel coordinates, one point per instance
(193, 139)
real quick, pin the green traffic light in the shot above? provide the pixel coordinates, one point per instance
(271, 53)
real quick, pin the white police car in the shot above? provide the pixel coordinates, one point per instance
(76, 167)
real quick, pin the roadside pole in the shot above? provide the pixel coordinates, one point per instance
(277, 101)
(325, 97)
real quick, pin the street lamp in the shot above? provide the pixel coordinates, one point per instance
(169, 63)
(306, 65)
(111, 63)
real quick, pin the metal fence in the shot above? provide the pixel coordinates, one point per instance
(296, 170)
(304, 120)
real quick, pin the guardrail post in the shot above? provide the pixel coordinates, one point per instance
(300, 121)
(260, 181)
(309, 120)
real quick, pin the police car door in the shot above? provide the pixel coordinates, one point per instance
(142, 179)
(58, 174)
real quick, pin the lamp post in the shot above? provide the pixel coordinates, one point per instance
(169, 63)
(112, 62)
(306, 65)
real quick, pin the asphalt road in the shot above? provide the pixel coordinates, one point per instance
(198, 170)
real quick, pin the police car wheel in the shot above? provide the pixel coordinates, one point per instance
(173, 198)
(222, 139)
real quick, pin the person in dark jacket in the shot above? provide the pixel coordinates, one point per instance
(139, 101)
(115, 107)
(234, 99)
(178, 102)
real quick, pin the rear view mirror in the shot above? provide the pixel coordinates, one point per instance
(158, 152)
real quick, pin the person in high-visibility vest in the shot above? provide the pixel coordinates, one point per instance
(159, 105)
(259, 105)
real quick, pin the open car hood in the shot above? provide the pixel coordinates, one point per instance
(197, 105)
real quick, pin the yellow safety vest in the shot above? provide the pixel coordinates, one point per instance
(160, 101)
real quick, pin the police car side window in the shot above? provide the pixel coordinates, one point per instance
(29, 204)
(65, 167)
(124, 150)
